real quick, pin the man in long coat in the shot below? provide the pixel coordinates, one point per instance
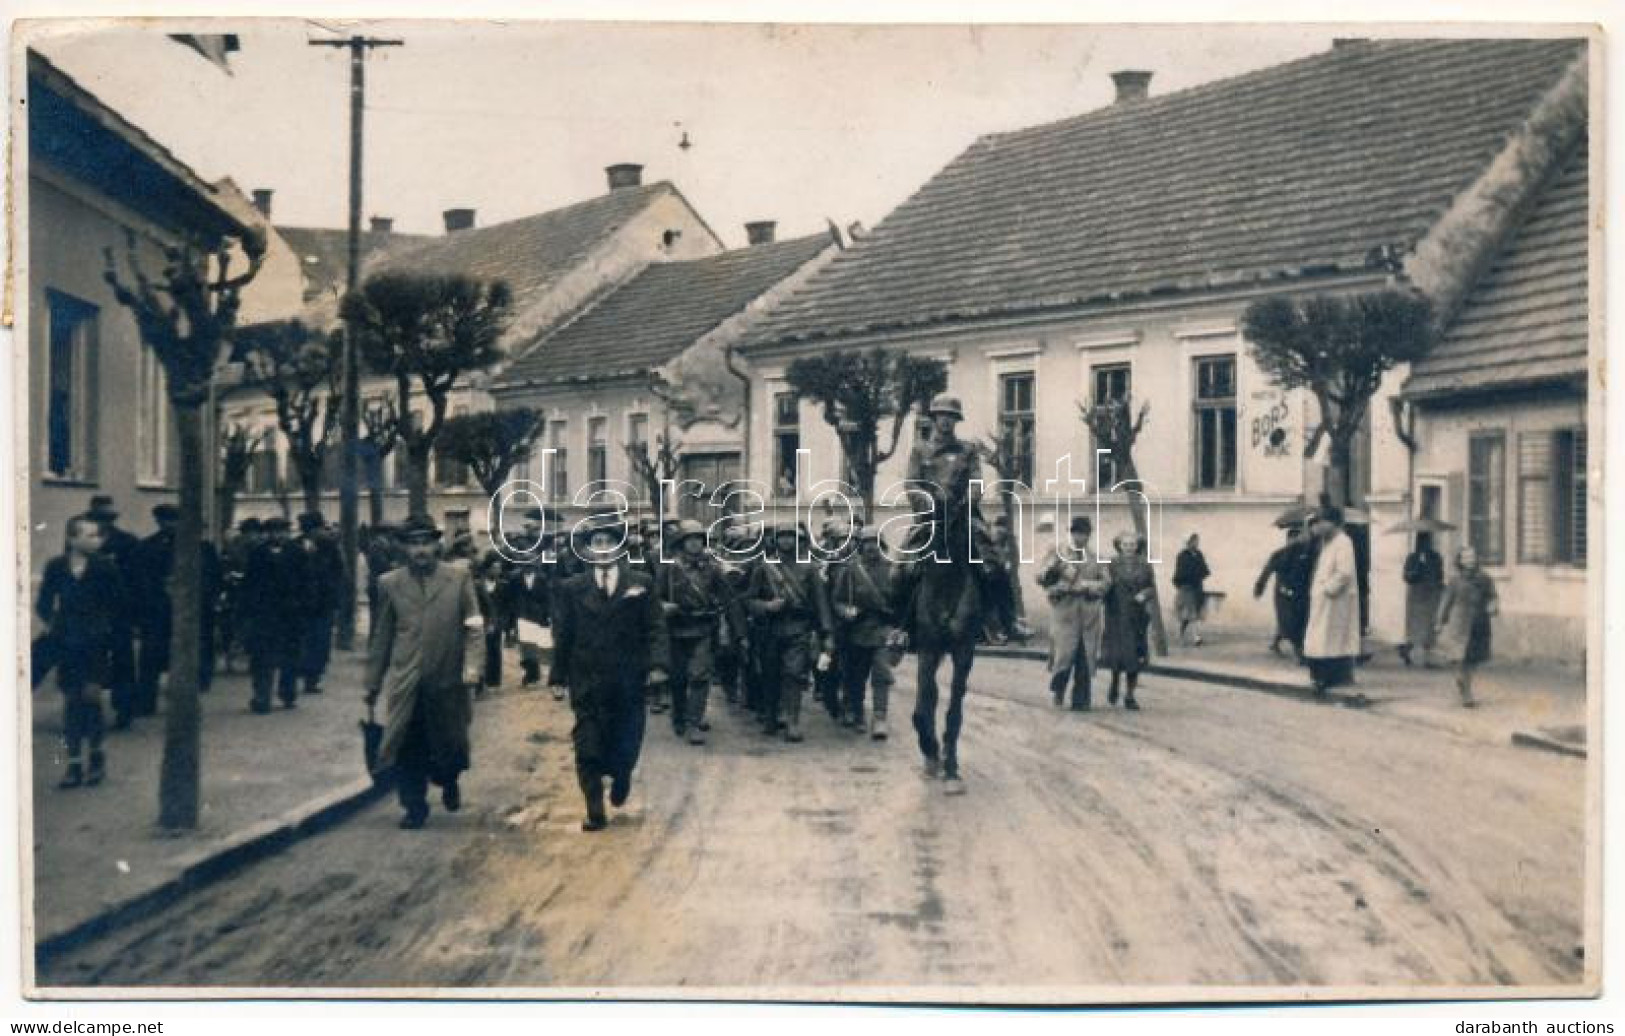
(1332, 639)
(423, 657)
(1290, 565)
(271, 590)
(609, 644)
(1076, 585)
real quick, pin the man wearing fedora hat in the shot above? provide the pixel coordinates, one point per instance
(609, 649)
(421, 661)
(270, 602)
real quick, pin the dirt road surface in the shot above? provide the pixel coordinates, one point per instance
(1217, 838)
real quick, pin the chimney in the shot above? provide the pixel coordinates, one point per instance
(458, 219)
(383, 224)
(1132, 85)
(624, 174)
(262, 202)
(760, 232)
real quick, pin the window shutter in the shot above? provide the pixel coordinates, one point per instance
(1456, 507)
(1535, 453)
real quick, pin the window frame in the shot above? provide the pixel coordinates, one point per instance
(558, 473)
(1496, 557)
(781, 433)
(597, 449)
(83, 346)
(1010, 420)
(1201, 406)
(1106, 466)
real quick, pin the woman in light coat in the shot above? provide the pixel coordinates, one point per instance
(1076, 585)
(1332, 639)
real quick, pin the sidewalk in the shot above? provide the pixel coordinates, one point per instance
(99, 848)
(1536, 706)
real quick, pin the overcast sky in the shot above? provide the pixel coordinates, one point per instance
(788, 123)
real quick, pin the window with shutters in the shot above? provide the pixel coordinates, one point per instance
(1486, 496)
(1551, 497)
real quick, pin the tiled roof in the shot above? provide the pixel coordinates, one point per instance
(1300, 168)
(660, 312)
(1525, 321)
(324, 253)
(533, 253)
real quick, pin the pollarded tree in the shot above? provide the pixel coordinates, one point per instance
(426, 331)
(859, 393)
(186, 316)
(489, 443)
(1338, 347)
(652, 467)
(237, 446)
(300, 370)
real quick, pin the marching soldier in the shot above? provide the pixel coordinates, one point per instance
(733, 652)
(791, 601)
(867, 642)
(699, 611)
(839, 545)
(609, 645)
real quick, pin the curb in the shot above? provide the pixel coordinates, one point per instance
(1279, 688)
(1541, 742)
(209, 864)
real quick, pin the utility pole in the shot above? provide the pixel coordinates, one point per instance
(350, 405)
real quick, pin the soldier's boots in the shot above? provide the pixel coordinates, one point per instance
(451, 796)
(74, 777)
(594, 791)
(98, 769)
(877, 727)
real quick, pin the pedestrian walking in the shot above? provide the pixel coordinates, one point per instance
(1424, 587)
(838, 544)
(491, 590)
(154, 563)
(1465, 610)
(380, 551)
(790, 600)
(234, 566)
(1332, 638)
(1076, 585)
(867, 641)
(81, 602)
(1123, 648)
(120, 547)
(609, 648)
(699, 610)
(272, 583)
(421, 662)
(1290, 565)
(1190, 593)
(321, 591)
(530, 589)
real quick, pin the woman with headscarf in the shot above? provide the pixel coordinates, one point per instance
(1123, 645)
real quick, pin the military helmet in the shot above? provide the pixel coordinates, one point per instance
(943, 403)
(686, 528)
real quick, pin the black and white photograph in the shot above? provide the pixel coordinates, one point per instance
(874, 514)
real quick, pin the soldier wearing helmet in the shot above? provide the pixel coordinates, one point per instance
(700, 609)
(944, 464)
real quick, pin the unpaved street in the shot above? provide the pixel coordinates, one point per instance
(1219, 837)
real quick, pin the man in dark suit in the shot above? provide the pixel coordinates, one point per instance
(270, 602)
(154, 563)
(119, 546)
(530, 590)
(609, 643)
(321, 579)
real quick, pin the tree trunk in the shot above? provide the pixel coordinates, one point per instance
(417, 481)
(1159, 633)
(1340, 465)
(178, 777)
(375, 505)
(225, 509)
(310, 485)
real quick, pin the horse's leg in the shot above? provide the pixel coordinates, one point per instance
(925, 701)
(964, 654)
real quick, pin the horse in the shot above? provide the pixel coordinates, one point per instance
(943, 598)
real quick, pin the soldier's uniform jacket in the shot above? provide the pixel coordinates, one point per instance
(866, 585)
(943, 463)
(806, 599)
(698, 598)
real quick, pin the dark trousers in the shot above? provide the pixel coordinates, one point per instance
(693, 666)
(153, 662)
(493, 657)
(414, 768)
(121, 672)
(787, 666)
(862, 667)
(315, 646)
(608, 732)
(929, 660)
(730, 670)
(273, 660)
(1082, 683)
(81, 702)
